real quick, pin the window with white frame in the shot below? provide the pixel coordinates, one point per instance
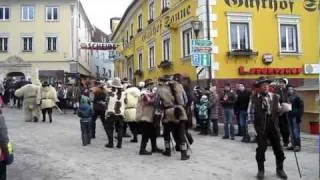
(3, 44)
(166, 49)
(140, 21)
(4, 13)
(152, 62)
(151, 9)
(140, 61)
(289, 39)
(51, 43)
(240, 31)
(165, 4)
(27, 13)
(289, 34)
(52, 13)
(27, 44)
(186, 42)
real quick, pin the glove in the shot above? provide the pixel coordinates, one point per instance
(251, 131)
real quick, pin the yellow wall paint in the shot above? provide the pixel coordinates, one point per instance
(38, 28)
(265, 40)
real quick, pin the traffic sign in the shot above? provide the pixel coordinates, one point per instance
(201, 60)
(200, 46)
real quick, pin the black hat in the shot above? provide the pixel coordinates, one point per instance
(125, 80)
(262, 80)
(148, 82)
(45, 83)
(165, 78)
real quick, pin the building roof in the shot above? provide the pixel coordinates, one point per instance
(124, 17)
(99, 35)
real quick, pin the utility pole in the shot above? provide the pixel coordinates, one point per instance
(208, 37)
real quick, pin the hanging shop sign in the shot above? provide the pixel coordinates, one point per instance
(270, 71)
(275, 5)
(98, 46)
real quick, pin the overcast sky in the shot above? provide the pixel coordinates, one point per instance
(100, 11)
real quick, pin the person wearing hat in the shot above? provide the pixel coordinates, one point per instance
(115, 113)
(31, 95)
(131, 97)
(126, 84)
(99, 107)
(48, 100)
(228, 100)
(175, 117)
(145, 116)
(282, 91)
(265, 108)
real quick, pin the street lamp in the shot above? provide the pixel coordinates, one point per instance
(196, 26)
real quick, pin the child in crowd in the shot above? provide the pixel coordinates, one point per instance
(85, 113)
(203, 114)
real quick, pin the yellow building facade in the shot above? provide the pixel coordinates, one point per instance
(41, 39)
(250, 38)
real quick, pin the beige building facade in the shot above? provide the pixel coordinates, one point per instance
(41, 39)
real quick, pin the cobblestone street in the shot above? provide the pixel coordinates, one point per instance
(46, 151)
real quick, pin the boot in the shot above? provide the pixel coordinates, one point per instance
(167, 152)
(109, 145)
(155, 148)
(143, 150)
(50, 118)
(35, 119)
(178, 149)
(134, 140)
(184, 155)
(260, 174)
(119, 144)
(280, 172)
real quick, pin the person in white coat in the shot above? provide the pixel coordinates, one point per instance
(31, 95)
(115, 113)
(131, 97)
(48, 100)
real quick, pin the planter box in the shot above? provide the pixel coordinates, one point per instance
(138, 73)
(314, 128)
(165, 64)
(242, 53)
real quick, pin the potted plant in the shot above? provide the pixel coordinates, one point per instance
(165, 64)
(242, 52)
(314, 126)
(138, 72)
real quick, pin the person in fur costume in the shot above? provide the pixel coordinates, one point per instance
(31, 95)
(145, 114)
(175, 118)
(115, 113)
(131, 97)
(49, 98)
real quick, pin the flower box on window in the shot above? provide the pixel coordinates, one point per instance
(150, 21)
(242, 52)
(165, 64)
(139, 30)
(164, 10)
(131, 37)
(138, 72)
